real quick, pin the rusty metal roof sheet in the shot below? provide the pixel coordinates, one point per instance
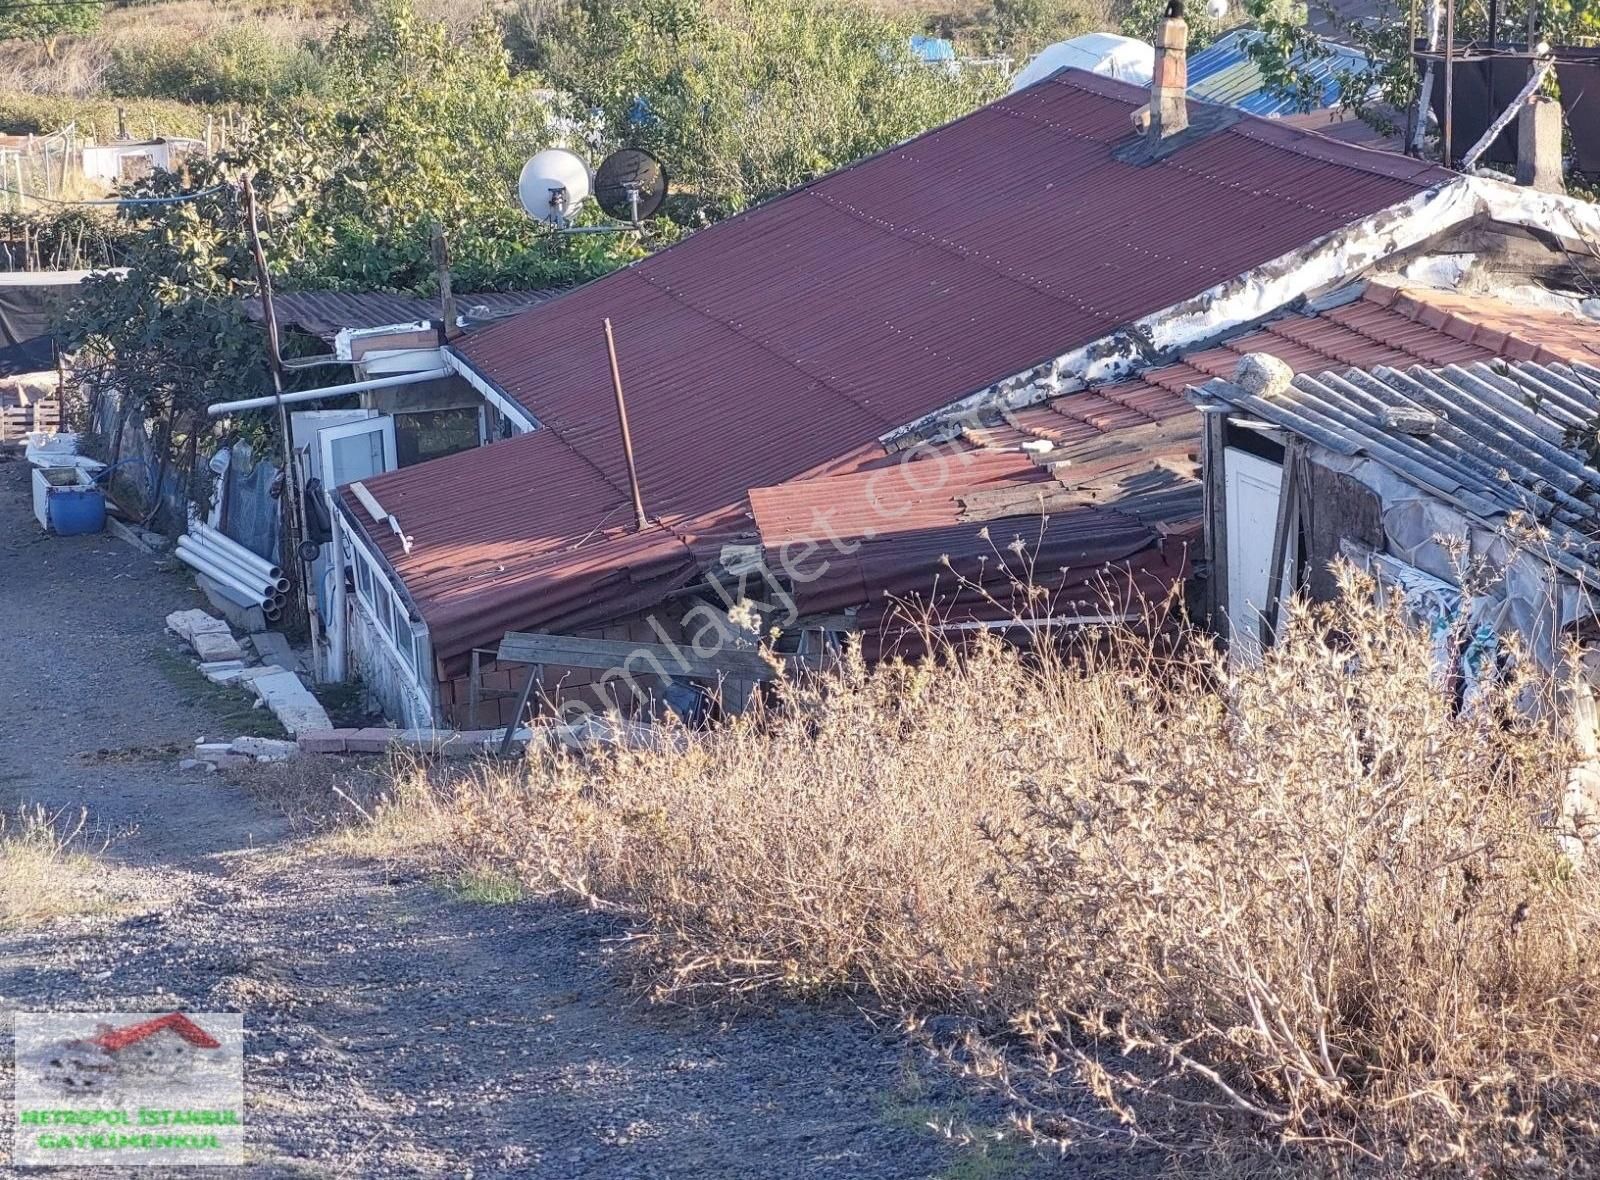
(767, 344)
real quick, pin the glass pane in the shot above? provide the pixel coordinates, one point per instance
(363, 580)
(433, 434)
(357, 456)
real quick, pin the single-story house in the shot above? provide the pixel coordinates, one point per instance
(908, 379)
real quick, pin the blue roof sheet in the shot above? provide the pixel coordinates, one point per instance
(1223, 72)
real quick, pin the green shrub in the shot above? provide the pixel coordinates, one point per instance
(234, 64)
(21, 114)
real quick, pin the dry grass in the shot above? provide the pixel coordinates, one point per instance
(1306, 915)
(47, 871)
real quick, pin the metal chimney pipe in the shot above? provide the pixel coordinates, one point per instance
(627, 439)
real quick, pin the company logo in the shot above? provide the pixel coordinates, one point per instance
(129, 1088)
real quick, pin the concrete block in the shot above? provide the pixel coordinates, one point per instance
(212, 646)
(212, 749)
(471, 743)
(291, 703)
(241, 618)
(330, 742)
(428, 741)
(229, 762)
(259, 748)
(370, 741)
(199, 764)
(186, 624)
(273, 648)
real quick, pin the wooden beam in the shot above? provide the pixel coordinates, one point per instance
(1215, 515)
(1290, 502)
(575, 651)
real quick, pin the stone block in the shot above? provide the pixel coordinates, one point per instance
(370, 741)
(213, 646)
(259, 748)
(291, 703)
(186, 624)
(212, 749)
(329, 742)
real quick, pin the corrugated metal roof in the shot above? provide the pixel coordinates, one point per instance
(783, 342)
(327, 313)
(1501, 444)
(1224, 72)
(768, 343)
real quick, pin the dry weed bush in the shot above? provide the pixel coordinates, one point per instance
(48, 870)
(1310, 913)
(1321, 907)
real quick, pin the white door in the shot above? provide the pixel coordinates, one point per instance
(358, 450)
(1253, 485)
(307, 427)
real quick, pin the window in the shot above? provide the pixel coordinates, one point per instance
(363, 578)
(432, 434)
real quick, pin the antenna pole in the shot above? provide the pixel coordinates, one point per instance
(627, 439)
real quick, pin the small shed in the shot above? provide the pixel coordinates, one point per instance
(124, 160)
(1471, 490)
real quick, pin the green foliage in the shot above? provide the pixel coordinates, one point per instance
(416, 129)
(235, 64)
(60, 239)
(1140, 18)
(1021, 28)
(41, 21)
(743, 99)
(40, 114)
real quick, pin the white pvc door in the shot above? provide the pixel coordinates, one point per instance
(358, 450)
(1253, 485)
(307, 427)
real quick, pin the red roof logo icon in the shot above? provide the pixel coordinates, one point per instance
(114, 1039)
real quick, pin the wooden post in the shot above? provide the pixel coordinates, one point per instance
(627, 439)
(473, 689)
(534, 671)
(1449, 78)
(1213, 445)
(292, 487)
(447, 299)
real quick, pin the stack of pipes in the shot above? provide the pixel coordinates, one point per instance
(238, 574)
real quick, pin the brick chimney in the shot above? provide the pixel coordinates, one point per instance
(1169, 86)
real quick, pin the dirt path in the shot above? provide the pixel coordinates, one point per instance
(393, 1030)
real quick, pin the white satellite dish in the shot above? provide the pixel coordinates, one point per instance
(553, 184)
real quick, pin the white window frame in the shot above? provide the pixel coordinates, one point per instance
(418, 658)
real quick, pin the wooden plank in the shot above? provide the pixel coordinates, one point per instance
(1289, 503)
(1214, 510)
(576, 651)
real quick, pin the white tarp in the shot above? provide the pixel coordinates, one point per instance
(1124, 58)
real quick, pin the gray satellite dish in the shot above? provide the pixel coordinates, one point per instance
(553, 184)
(630, 184)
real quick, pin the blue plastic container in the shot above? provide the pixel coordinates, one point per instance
(76, 512)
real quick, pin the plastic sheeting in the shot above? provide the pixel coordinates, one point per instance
(1106, 54)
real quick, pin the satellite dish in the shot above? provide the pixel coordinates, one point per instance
(553, 184)
(630, 184)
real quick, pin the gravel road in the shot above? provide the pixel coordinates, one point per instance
(392, 1030)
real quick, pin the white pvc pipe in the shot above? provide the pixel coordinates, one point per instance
(314, 395)
(237, 597)
(218, 574)
(339, 608)
(237, 573)
(229, 560)
(225, 561)
(219, 540)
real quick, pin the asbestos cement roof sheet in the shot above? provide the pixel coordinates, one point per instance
(1495, 438)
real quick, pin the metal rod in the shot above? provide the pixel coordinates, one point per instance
(312, 395)
(627, 439)
(1449, 76)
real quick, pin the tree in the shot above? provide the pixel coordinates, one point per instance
(744, 99)
(415, 130)
(44, 22)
